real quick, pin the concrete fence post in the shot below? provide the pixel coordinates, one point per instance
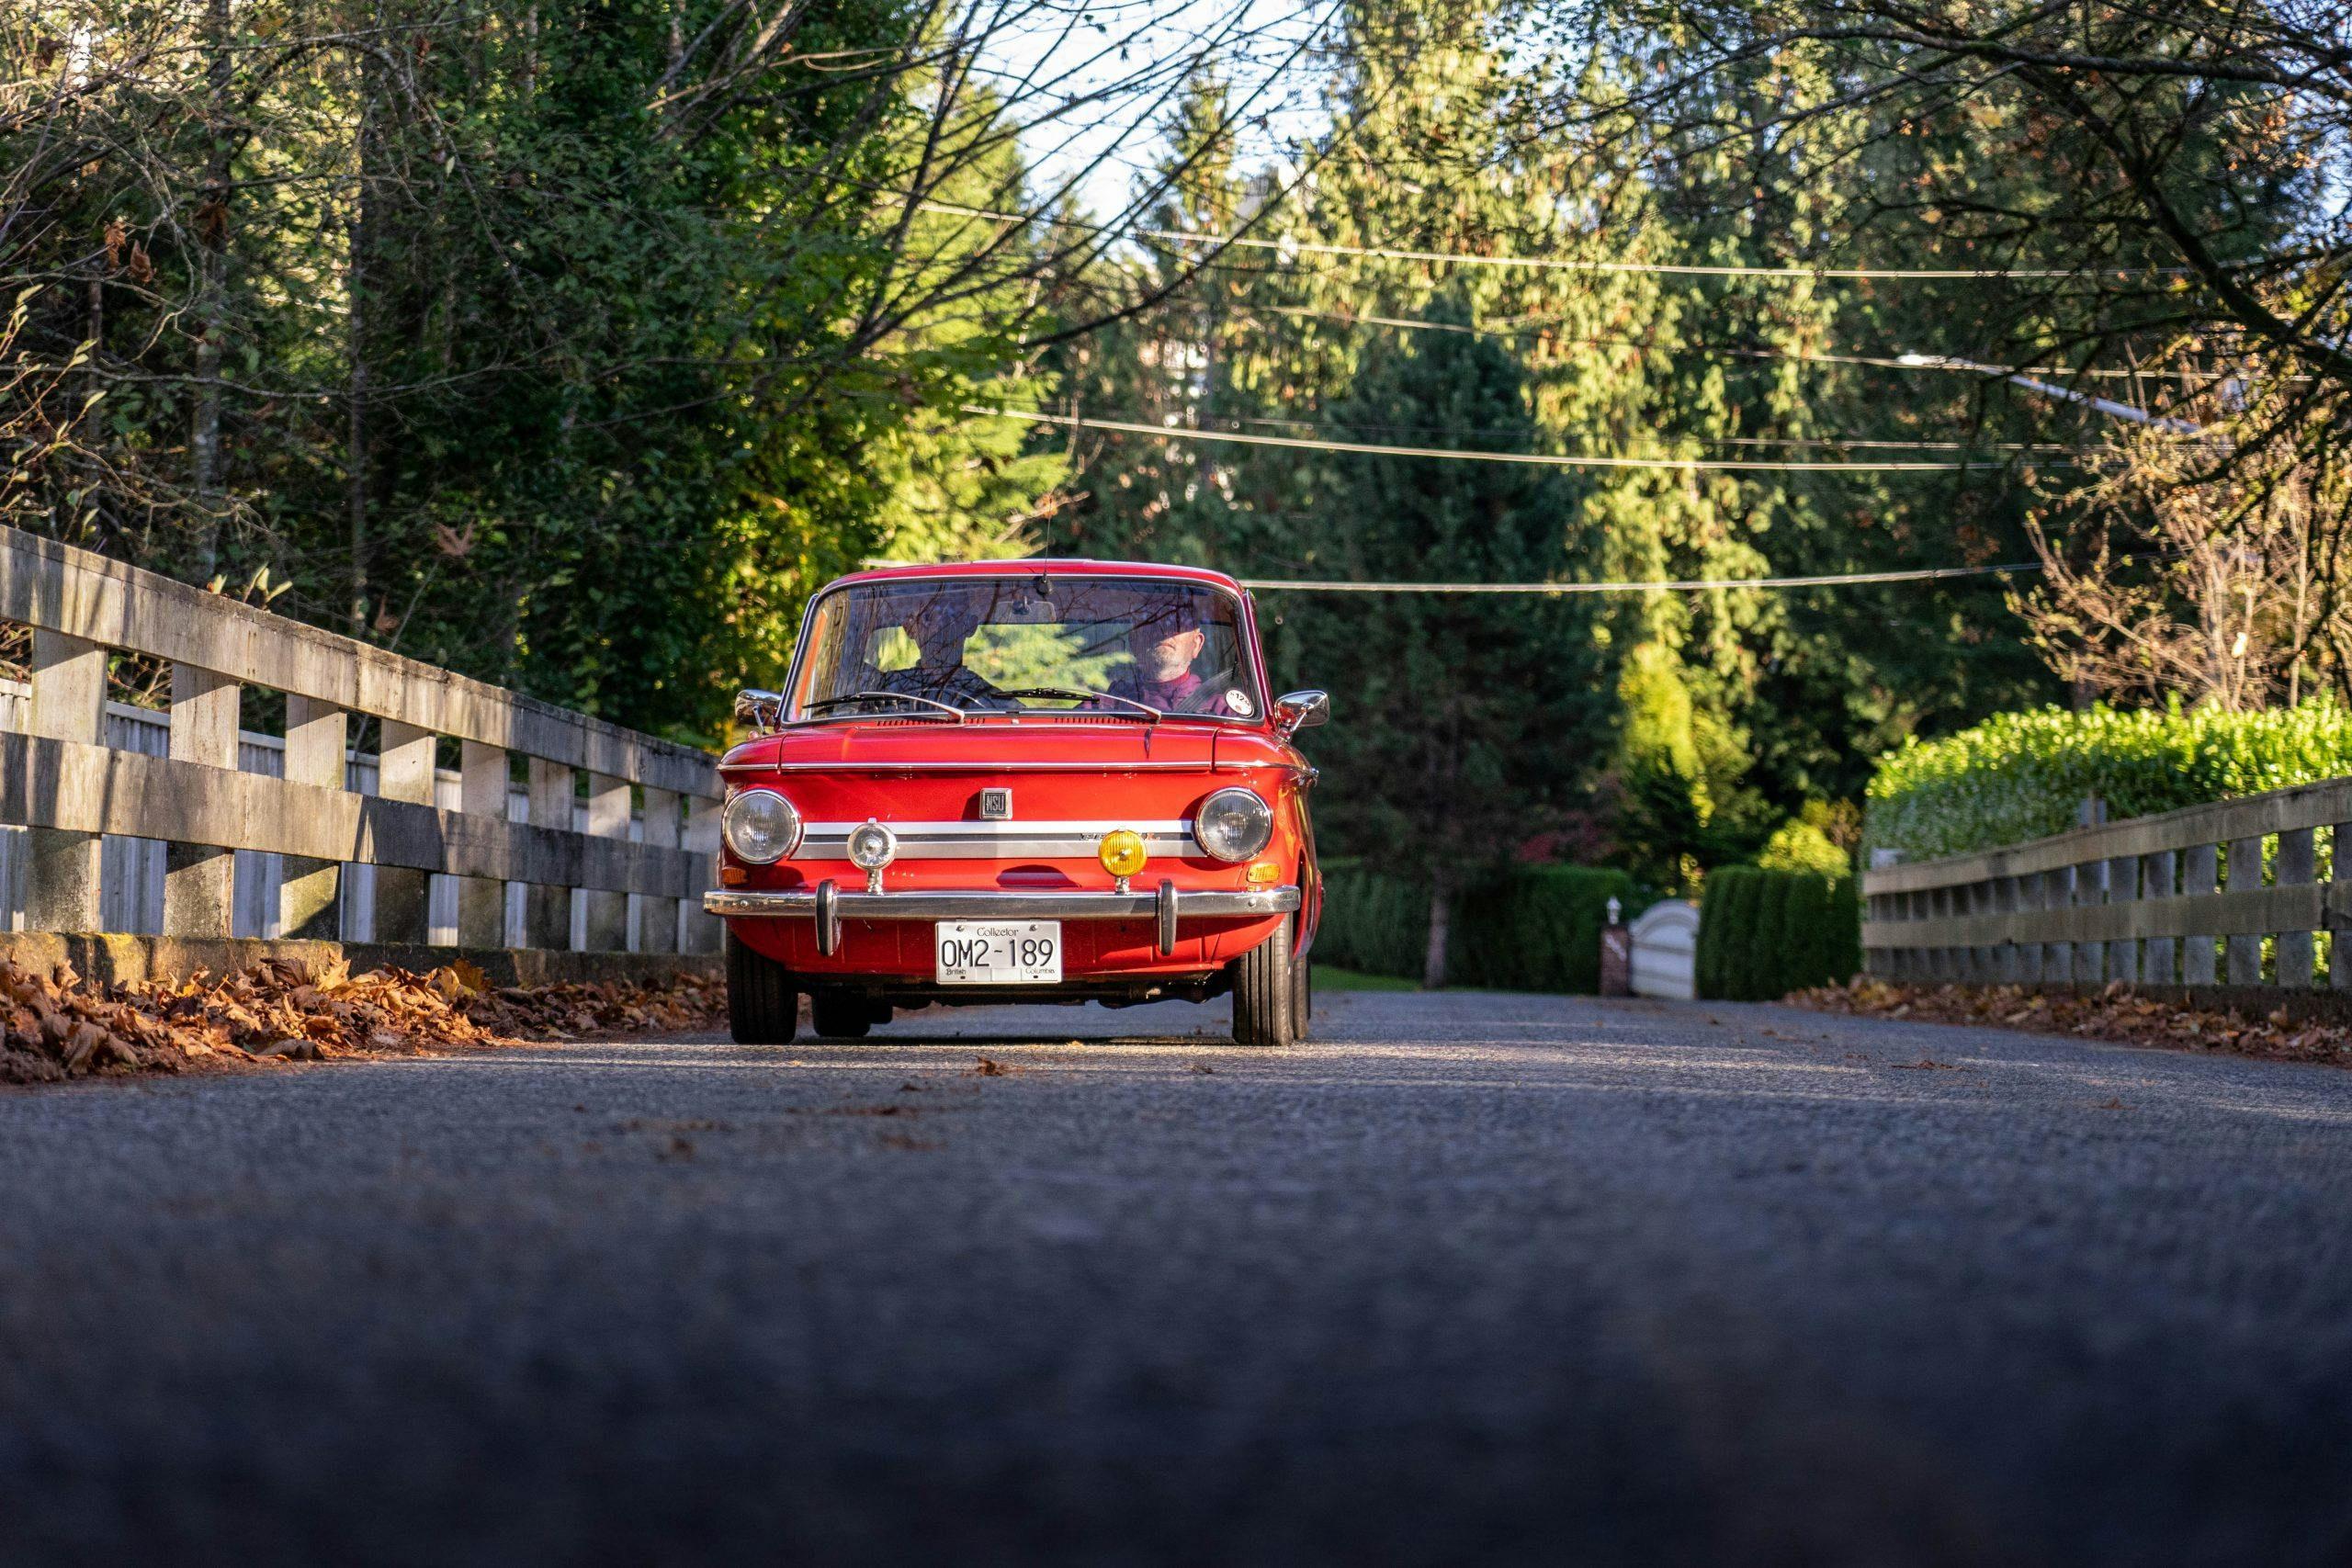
(608, 913)
(404, 772)
(199, 880)
(657, 917)
(2199, 955)
(318, 744)
(68, 702)
(2245, 948)
(483, 792)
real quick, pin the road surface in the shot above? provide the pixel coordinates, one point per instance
(1477, 1279)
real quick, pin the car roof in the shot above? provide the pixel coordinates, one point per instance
(1051, 566)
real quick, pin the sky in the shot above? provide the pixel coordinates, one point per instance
(1096, 81)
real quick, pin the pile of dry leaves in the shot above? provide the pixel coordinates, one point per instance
(2116, 1013)
(59, 1025)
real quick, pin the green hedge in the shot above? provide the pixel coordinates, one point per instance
(2024, 775)
(1531, 929)
(1765, 934)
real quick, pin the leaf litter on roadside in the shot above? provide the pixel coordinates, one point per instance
(2118, 1014)
(60, 1025)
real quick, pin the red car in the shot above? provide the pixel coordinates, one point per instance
(1019, 781)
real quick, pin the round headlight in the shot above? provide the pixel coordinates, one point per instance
(872, 846)
(1234, 824)
(760, 827)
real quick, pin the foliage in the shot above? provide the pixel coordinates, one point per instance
(1763, 933)
(2024, 775)
(1529, 928)
(1798, 845)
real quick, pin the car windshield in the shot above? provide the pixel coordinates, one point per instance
(1129, 646)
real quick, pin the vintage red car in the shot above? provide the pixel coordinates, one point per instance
(1019, 781)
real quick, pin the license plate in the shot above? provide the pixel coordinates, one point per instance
(997, 952)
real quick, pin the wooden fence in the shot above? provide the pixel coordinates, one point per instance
(305, 835)
(2190, 897)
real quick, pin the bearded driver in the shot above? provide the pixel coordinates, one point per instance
(1164, 646)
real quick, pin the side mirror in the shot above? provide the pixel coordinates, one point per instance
(1294, 711)
(762, 710)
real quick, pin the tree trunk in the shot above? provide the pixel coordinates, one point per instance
(212, 239)
(1441, 925)
(363, 240)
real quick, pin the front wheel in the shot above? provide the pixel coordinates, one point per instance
(762, 1008)
(1265, 995)
(1302, 992)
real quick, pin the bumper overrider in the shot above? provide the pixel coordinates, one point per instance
(828, 906)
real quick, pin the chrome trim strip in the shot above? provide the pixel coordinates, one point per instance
(1005, 829)
(998, 841)
(991, 904)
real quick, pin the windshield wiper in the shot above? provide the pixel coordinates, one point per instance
(1150, 715)
(950, 709)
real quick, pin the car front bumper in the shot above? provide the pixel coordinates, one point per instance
(828, 906)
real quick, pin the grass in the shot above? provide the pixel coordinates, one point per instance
(1327, 978)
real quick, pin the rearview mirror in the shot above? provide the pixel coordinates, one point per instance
(1294, 711)
(760, 710)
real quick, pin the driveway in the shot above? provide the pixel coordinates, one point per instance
(1476, 1277)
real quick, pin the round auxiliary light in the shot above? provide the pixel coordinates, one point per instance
(1121, 853)
(1233, 824)
(760, 827)
(872, 846)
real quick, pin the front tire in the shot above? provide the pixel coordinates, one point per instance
(838, 1016)
(1265, 998)
(1302, 991)
(763, 1008)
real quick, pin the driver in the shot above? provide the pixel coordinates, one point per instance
(1164, 646)
(940, 627)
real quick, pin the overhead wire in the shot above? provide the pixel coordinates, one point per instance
(1537, 459)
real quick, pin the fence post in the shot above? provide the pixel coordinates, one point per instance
(481, 900)
(2124, 887)
(2245, 874)
(657, 917)
(2005, 904)
(703, 927)
(2298, 864)
(547, 910)
(68, 702)
(2199, 955)
(318, 739)
(2339, 898)
(404, 772)
(2162, 873)
(606, 930)
(199, 880)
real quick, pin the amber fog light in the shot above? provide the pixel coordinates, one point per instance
(1121, 853)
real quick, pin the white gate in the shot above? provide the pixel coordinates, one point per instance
(1666, 944)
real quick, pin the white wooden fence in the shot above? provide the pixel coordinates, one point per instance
(177, 822)
(2227, 894)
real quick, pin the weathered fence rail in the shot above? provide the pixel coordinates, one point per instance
(2191, 898)
(531, 859)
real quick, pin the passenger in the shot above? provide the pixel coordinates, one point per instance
(940, 627)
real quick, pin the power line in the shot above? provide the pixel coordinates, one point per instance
(1538, 459)
(1681, 585)
(1290, 248)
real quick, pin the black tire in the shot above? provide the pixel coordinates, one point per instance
(839, 1016)
(1301, 993)
(763, 1008)
(1265, 999)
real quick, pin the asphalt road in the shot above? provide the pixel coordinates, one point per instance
(1476, 1279)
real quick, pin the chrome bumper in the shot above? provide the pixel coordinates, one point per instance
(828, 906)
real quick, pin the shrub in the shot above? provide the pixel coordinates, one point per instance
(1529, 928)
(2024, 775)
(1765, 934)
(1800, 846)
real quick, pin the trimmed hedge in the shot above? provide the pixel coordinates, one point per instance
(2024, 775)
(1765, 934)
(1531, 929)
